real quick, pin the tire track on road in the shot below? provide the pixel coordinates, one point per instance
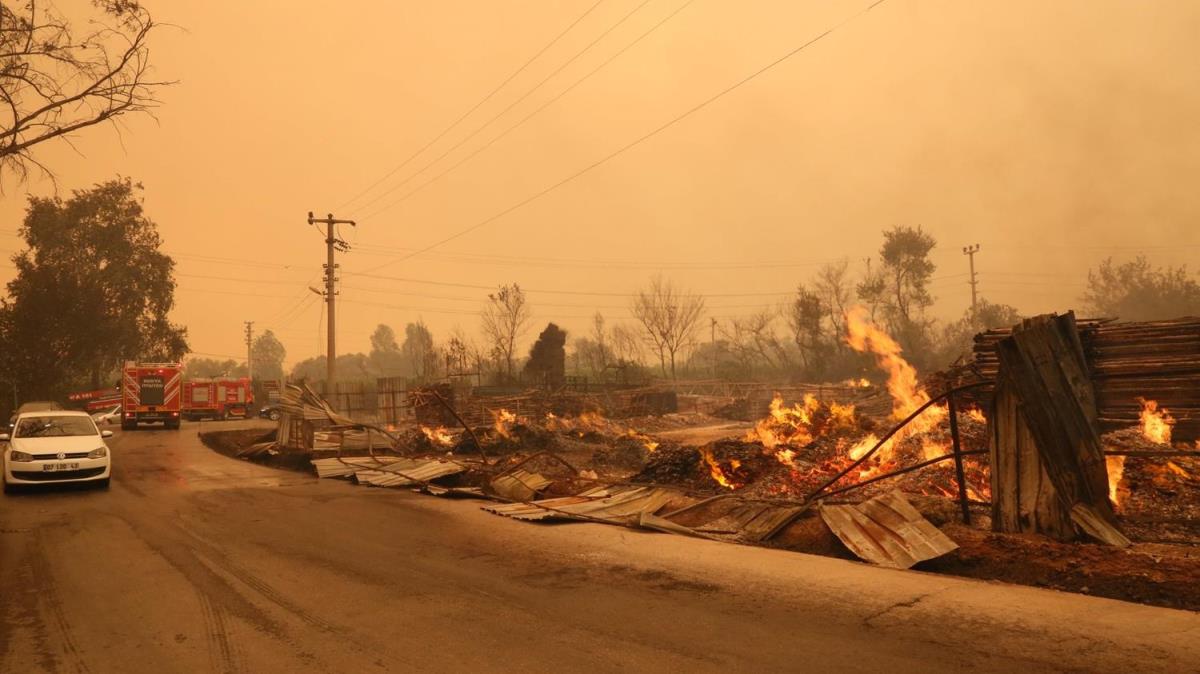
(216, 636)
(47, 589)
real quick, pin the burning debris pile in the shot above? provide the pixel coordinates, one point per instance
(800, 447)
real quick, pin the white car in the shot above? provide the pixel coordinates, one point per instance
(55, 447)
(106, 417)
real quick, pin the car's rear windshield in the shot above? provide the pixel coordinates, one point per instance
(53, 427)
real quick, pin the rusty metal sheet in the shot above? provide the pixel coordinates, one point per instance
(754, 522)
(519, 485)
(344, 467)
(616, 505)
(406, 472)
(887, 531)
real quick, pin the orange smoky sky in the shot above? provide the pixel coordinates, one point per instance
(1052, 134)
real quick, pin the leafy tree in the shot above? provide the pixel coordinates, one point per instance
(958, 337)
(1136, 291)
(93, 289)
(805, 316)
(669, 317)
(195, 368)
(907, 268)
(418, 350)
(350, 367)
(56, 81)
(548, 355)
(505, 318)
(385, 357)
(267, 354)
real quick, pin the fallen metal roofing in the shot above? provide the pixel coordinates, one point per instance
(616, 505)
(754, 522)
(887, 531)
(344, 467)
(405, 472)
(519, 485)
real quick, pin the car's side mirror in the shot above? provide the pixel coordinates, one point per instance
(4, 437)
(106, 434)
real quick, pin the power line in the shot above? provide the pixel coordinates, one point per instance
(475, 107)
(503, 112)
(537, 111)
(638, 141)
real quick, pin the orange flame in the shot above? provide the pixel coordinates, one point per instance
(1174, 468)
(438, 436)
(503, 422)
(977, 414)
(907, 394)
(718, 473)
(1156, 423)
(858, 383)
(1115, 466)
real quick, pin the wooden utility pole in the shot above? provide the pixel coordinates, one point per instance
(332, 243)
(970, 251)
(249, 350)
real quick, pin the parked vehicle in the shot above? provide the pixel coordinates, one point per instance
(216, 398)
(106, 417)
(270, 412)
(33, 406)
(54, 447)
(99, 400)
(150, 393)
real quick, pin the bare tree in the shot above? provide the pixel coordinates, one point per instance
(505, 318)
(55, 82)
(600, 335)
(669, 317)
(833, 286)
(625, 346)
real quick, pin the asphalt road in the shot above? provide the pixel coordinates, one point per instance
(195, 562)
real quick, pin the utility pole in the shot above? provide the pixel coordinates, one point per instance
(713, 344)
(332, 243)
(249, 350)
(970, 251)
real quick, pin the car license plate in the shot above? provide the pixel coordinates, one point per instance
(54, 467)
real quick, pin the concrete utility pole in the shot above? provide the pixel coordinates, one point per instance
(249, 350)
(332, 243)
(970, 251)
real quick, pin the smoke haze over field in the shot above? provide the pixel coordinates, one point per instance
(1053, 134)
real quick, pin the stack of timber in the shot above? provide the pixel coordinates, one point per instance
(1047, 462)
(1127, 362)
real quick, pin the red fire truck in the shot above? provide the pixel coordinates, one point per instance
(151, 392)
(216, 398)
(100, 399)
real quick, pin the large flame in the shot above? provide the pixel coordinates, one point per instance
(1156, 423)
(907, 395)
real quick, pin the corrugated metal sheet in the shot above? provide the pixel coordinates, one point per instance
(405, 472)
(344, 467)
(887, 531)
(615, 504)
(754, 522)
(519, 485)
